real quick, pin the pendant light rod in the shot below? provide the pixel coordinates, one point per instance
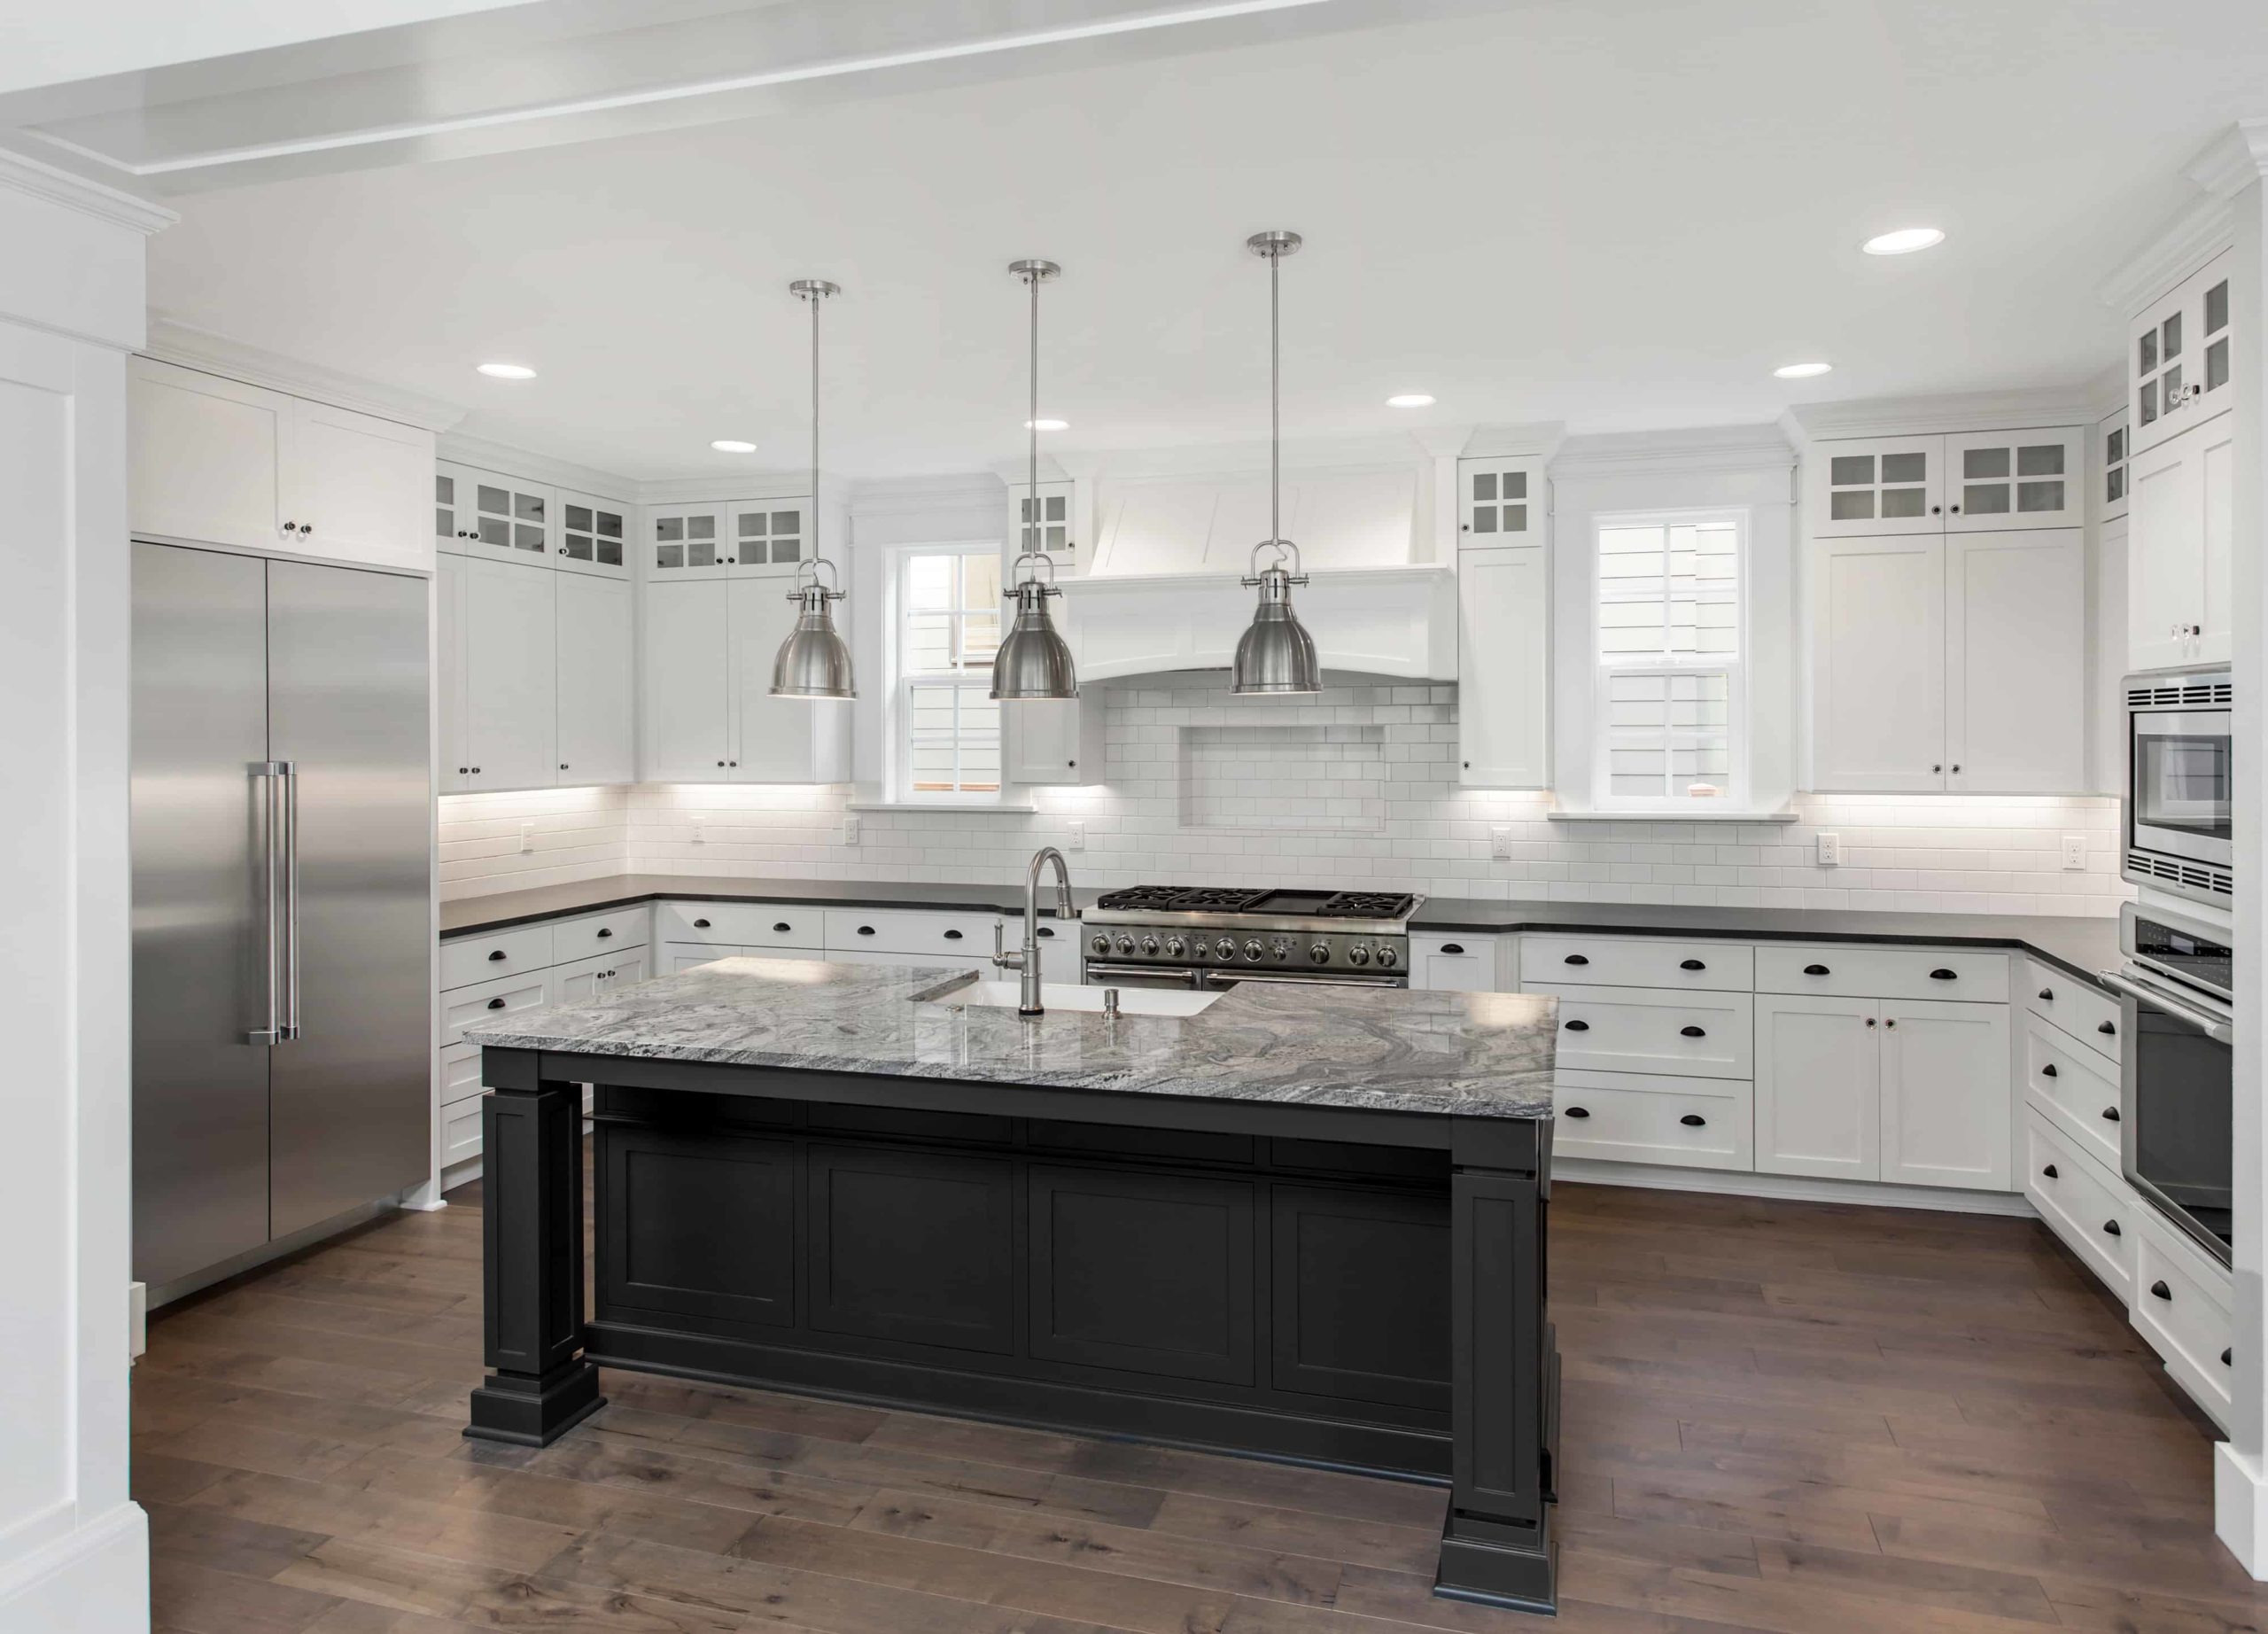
(814, 662)
(1276, 655)
(1034, 273)
(1272, 247)
(1033, 661)
(813, 291)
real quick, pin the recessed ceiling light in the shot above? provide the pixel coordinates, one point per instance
(1409, 400)
(508, 371)
(1905, 241)
(1047, 426)
(1801, 372)
(732, 445)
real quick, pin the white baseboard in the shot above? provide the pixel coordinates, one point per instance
(2241, 1507)
(1795, 1187)
(93, 1580)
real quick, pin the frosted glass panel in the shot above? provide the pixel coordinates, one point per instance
(2041, 459)
(1977, 462)
(1905, 467)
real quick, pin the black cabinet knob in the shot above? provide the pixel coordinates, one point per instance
(563, 766)
(1815, 970)
(1578, 1026)
(1577, 1112)
(1956, 765)
(2107, 1029)
(720, 763)
(1691, 964)
(782, 928)
(2047, 1071)
(498, 956)
(2048, 994)
(475, 771)
(1691, 1032)
(2160, 1291)
(2110, 1115)
(1452, 947)
(1574, 959)
(2049, 1172)
(865, 930)
(496, 1003)
(1939, 767)
(700, 924)
(604, 933)
(2110, 1228)
(1693, 1120)
(1943, 976)
(952, 936)
(462, 770)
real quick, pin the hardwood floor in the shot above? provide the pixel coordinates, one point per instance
(1777, 1416)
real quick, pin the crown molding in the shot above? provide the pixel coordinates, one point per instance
(2232, 160)
(1958, 411)
(2198, 234)
(1538, 439)
(1016, 472)
(506, 460)
(1706, 449)
(903, 496)
(745, 485)
(173, 342)
(37, 179)
(2108, 391)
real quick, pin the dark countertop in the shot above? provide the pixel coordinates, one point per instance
(1370, 1048)
(2079, 946)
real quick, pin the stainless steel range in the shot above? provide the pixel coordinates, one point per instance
(1209, 936)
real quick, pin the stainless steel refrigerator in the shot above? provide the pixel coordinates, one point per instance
(282, 824)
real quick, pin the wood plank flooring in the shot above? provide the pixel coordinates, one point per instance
(1781, 1417)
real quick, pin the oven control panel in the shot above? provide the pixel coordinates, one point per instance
(1224, 945)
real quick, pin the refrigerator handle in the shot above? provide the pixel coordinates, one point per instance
(269, 775)
(291, 782)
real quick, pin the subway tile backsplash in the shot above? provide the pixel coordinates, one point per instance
(1356, 784)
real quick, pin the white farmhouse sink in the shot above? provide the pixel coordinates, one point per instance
(1064, 996)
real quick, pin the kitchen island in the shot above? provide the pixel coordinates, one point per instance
(1298, 1223)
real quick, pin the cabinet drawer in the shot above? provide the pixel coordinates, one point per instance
(1452, 961)
(2082, 1202)
(460, 1074)
(1848, 972)
(460, 1131)
(2181, 1305)
(1638, 962)
(601, 933)
(460, 1008)
(1637, 1118)
(856, 930)
(2073, 1088)
(504, 953)
(747, 924)
(1651, 1030)
(2080, 1008)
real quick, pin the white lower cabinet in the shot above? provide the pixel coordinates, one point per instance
(2074, 1088)
(2181, 1304)
(1945, 1094)
(593, 978)
(1453, 963)
(2094, 1212)
(1653, 1030)
(1819, 1087)
(1639, 1118)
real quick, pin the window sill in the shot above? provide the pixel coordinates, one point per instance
(1672, 816)
(1011, 807)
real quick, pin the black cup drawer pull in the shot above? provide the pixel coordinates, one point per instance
(498, 956)
(1044, 931)
(2047, 995)
(1578, 1026)
(952, 936)
(2227, 1357)
(1942, 975)
(604, 933)
(1815, 969)
(865, 930)
(2107, 1029)
(2047, 1071)
(1691, 1032)
(496, 1004)
(1574, 959)
(1691, 964)
(1452, 947)
(2159, 1290)
(700, 924)
(1693, 1120)
(782, 928)
(2049, 1172)
(1578, 1112)
(2110, 1115)
(2110, 1228)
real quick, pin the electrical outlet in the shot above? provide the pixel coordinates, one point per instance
(1500, 841)
(850, 826)
(700, 829)
(2074, 851)
(1830, 850)
(527, 836)
(1077, 838)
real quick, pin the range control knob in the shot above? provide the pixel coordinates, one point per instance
(1098, 943)
(1319, 953)
(1150, 946)
(1280, 948)
(1253, 950)
(1358, 954)
(1201, 949)
(1125, 944)
(1389, 958)
(1174, 947)
(1225, 948)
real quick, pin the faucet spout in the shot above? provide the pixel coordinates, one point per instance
(1027, 963)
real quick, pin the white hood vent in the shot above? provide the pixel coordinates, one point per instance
(1148, 527)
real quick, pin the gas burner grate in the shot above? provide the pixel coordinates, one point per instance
(1213, 899)
(1368, 905)
(1143, 897)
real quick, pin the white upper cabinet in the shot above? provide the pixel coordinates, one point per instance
(768, 536)
(1879, 484)
(213, 461)
(1504, 668)
(1500, 502)
(764, 538)
(499, 516)
(1054, 741)
(593, 536)
(1045, 525)
(686, 542)
(2111, 445)
(2004, 479)
(2180, 542)
(597, 679)
(2015, 662)
(778, 740)
(688, 736)
(2180, 357)
(510, 676)
(1877, 659)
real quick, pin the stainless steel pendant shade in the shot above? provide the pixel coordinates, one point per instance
(814, 662)
(1033, 662)
(1276, 655)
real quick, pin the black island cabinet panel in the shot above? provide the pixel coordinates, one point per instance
(1143, 1272)
(698, 1226)
(916, 1247)
(1362, 1295)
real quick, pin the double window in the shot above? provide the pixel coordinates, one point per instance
(1669, 718)
(946, 616)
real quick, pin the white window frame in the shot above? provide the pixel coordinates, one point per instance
(1734, 668)
(899, 714)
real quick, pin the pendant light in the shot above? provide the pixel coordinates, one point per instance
(1033, 661)
(814, 662)
(1275, 656)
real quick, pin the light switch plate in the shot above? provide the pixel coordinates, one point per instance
(1077, 838)
(1830, 850)
(527, 836)
(2074, 851)
(851, 824)
(700, 829)
(1500, 841)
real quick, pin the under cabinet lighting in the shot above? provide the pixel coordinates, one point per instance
(507, 371)
(1411, 400)
(1801, 372)
(1905, 241)
(732, 445)
(1047, 426)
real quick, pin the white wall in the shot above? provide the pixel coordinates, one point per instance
(73, 1548)
(578, 834)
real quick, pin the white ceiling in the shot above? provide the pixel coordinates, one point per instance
(1617, 213)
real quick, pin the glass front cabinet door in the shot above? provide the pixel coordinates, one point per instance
(1879, 485)
(593, 536)
(686, 543)
(2181, 357)
(1996, 480)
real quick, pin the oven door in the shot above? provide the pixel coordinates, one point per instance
(2180, 784)
(2175, 1129)
(1301, 979)
(1099, 975)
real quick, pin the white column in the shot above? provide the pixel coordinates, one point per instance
(73, 1548)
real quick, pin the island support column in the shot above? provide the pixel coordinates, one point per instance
(539, 1386)
(1496, 1545)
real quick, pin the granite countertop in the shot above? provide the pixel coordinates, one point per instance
(1380, 1049)
(2079, 946)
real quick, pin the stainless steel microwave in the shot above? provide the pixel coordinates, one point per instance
(2181, 783)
